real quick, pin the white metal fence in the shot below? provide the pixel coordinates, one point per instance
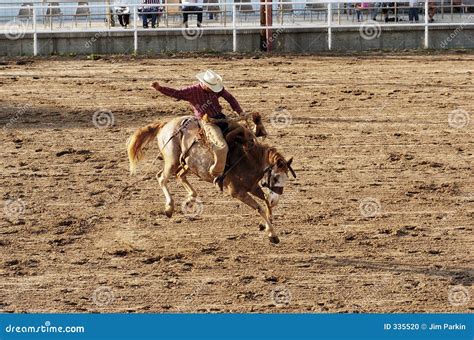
(40, 18)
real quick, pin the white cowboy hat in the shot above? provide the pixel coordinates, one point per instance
(211, 79)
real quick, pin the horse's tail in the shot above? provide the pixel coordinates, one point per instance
(138, 141)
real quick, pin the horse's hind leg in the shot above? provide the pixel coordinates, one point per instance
(247, 199)
(168, 171)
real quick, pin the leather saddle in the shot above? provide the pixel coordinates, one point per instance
(192, 132)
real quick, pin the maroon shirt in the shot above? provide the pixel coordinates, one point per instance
(202, 101)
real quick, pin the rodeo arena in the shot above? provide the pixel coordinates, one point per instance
(218, 156)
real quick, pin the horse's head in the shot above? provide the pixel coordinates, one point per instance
(275, 177)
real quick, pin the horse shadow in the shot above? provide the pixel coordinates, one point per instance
(458, 276)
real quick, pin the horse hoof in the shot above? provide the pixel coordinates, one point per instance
(274, 239)
(169, 211)
(261, 226)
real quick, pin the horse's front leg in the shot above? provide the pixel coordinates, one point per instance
(163, 181)
(250, 201)
(258, 192)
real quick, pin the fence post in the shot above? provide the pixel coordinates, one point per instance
(135, 31)
(329, 26)
(225, 12)
(234, 28)
(35, 34)
(426, 25)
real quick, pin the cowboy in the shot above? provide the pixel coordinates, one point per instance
(204, 98)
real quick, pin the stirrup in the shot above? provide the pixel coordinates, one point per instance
(219, 182)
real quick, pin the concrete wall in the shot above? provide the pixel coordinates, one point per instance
(293, 41)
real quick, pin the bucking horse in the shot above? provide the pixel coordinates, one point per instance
(254, 170)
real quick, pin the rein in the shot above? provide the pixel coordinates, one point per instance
(276, 189)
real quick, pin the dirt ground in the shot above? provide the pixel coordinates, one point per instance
(379, 219)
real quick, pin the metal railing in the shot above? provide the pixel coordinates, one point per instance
(230, 14)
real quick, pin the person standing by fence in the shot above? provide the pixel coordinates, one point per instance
(192, 7)
(374, 10)
(151, 9)
(123, 12)
(413, 11)
(431, 10)
(361, 8)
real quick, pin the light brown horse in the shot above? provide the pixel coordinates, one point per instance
(252, 165)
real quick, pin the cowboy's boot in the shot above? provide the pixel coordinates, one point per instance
(217, 169)
(219, 180)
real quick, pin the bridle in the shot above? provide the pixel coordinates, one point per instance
(267, 182)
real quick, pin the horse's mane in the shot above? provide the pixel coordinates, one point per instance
(274, 157)
(269, 153)
(255, 150)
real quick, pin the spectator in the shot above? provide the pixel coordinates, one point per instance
(361, 7)
(123, 12)
(431, 10)
(152, 11)
(212, 9)
(374, 10)
(413, 11)
(387, 9)
(192, 7)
